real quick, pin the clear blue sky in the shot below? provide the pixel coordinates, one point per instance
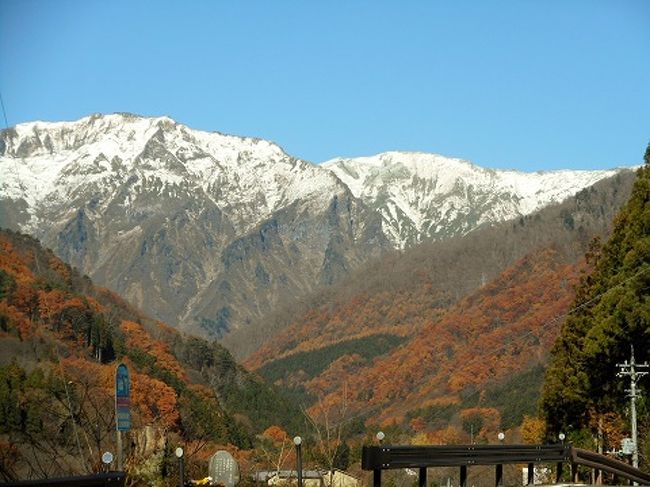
(520, 84)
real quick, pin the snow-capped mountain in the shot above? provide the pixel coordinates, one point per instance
(200, 229)
(52, 164)
(210, 231)
(427, 196)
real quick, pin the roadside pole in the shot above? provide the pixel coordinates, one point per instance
(122, 409)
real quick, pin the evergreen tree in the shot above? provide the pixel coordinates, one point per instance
(612, 312)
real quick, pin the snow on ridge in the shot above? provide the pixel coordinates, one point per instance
(248, 178)
(431, 189)
(404, 166)
(46, 162)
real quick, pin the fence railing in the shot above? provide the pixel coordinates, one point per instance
(386, 457)
(107, 479)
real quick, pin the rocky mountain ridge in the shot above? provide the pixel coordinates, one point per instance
(202, 230)
(424, 196)
(209, 231)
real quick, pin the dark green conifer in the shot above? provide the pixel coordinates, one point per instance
(612, 312)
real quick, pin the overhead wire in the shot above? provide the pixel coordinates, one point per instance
(4, 112)
(16, 171)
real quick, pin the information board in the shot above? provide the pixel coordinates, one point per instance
(122, 398)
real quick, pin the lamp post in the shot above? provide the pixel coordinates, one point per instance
(376, 475)
(107, 459)
(297, 440)
(558, 472)
(181, 466)
(499, 469)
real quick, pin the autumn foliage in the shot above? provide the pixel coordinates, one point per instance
(61, 340)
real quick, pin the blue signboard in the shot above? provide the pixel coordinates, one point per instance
(122, 398)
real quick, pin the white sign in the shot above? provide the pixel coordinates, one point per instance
(627, 446)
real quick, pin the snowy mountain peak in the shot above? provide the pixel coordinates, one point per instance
(50, 163)
(422, 196)
(103, 131)
(419, 195)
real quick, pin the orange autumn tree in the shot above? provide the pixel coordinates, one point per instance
(533, 430)
(138, 337)
(275, 447)
(155, 402)
(447, 436)
(92, 391)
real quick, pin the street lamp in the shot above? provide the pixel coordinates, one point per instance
(380, 436)
(561, 437)
(181, 467)
(499, 469)
(297, 440)
(107, 459)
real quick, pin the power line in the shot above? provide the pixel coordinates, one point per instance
(16, 171)
(4, 112)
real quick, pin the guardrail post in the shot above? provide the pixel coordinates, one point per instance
(558, 472)
(463, 476)
(531, 474)
(499, 476)
(422, 478)
(376, 478)
(574, 473)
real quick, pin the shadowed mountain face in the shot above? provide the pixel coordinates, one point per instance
(211, 232)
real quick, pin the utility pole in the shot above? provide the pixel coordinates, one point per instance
(630, 369)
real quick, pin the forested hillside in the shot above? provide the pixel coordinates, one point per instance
(60, 341)
(424, 337)
(582, 394)
(399, 293)
(501, 331)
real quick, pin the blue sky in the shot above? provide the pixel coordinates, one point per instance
(522, 84)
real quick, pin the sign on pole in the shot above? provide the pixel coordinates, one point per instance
(122, 398)
(223, 469)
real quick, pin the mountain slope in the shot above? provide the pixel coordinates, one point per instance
(494, 284)
(427, 196)
(398, 293)
(60, 340)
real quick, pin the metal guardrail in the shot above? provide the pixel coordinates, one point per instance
(608, 464)
(107, 479)
(391, 456)
(386, 457)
